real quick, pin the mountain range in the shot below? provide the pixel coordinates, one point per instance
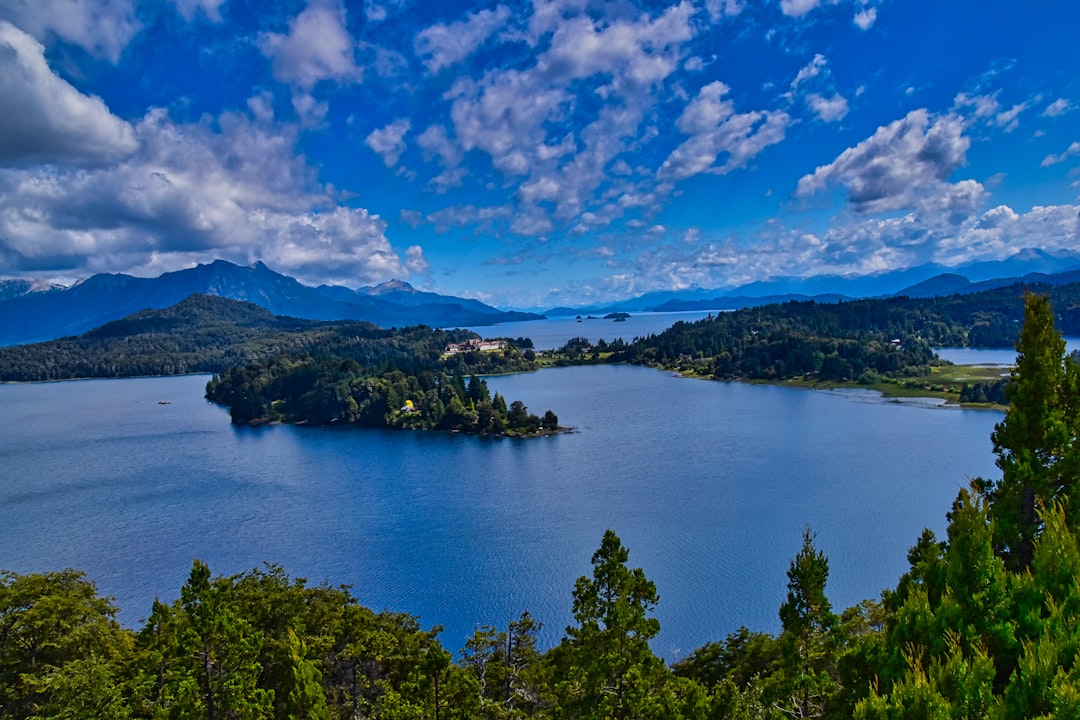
(33, 312)
(929, 280)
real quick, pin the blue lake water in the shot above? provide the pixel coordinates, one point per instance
(709, 485)
(991, 356)
(555, 332)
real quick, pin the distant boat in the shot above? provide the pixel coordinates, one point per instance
(164, 402)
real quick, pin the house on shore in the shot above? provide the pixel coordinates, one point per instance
(475, 344)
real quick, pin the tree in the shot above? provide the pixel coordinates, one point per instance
(550, 421)
(605, 666)
(1036, 443)
(808, 639)
(60, 648)
(204, 655)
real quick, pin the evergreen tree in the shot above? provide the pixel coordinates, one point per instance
(605, 668)
(1036, 443)
(808, 642)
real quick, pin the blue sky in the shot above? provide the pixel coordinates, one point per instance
(535, 153)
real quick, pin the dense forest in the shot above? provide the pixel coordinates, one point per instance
(342, 391)
(984, 624)
(862, 340)
(205, 334)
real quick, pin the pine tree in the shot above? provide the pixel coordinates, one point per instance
(1036, 443)
(808, 640)
(605, 666)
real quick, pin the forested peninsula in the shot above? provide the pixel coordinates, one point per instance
(279, 368)
(883, 344)
(984, 624)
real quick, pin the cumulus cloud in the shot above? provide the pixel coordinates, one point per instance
(317, 47)
(379, 11)
(188, 9)
(715, 129)
(1057, 108)
(520, 117)
(443, 45)
(864, 19)
(900, 166)
(982, 106)
(44, 119)
(229, 189)
(389, 141)
(1009, 119)
(101, 27)
(1073, 149)
(798, 8)
(415, 261)
(719, 9)
(828, 109)
(811, 70)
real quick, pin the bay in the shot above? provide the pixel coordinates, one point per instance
(991, 356)
(553, 333)
(708, 484)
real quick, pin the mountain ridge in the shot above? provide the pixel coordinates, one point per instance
(99, 299)
(1028, 265)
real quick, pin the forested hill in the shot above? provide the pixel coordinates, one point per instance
(984, 625)
(209, 334)
(842, 341)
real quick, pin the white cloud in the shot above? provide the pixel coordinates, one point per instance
(715, 129)
(101, 27)
(865, 18)
(900, 166)
(719, 9)
(44, 119)
(389, 141)
(984, 105)
(1058, 107)
(415, 261)
(189, 8)
(1073, 149)
(798, 8)
(828, 109)
(379, 11)
(1009, 119)
(811, 70)
(443, 45)
(317, 47)
(228, 189)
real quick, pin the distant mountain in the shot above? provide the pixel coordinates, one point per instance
(741, 301)
(207, 334)
(1029, 265)
(10, 289)
(33, 317)
(953, 284)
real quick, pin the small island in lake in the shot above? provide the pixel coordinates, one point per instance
(340, 391)
(617, 316)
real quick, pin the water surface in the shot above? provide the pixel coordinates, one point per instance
(709, 485)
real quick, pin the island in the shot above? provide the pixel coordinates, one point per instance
(335, 391)
(617, 316)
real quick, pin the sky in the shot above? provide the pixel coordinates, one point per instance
(535, 153)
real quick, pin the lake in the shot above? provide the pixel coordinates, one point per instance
(553, 333)
(708, 484)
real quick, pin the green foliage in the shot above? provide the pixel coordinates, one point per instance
(60, 648)
(985, 623)
(1036, 442)
(862, 341)
(204, 334)
(605, 668)
(336, 390)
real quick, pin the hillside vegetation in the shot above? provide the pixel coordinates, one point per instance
(985, 624)
(206, 334)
